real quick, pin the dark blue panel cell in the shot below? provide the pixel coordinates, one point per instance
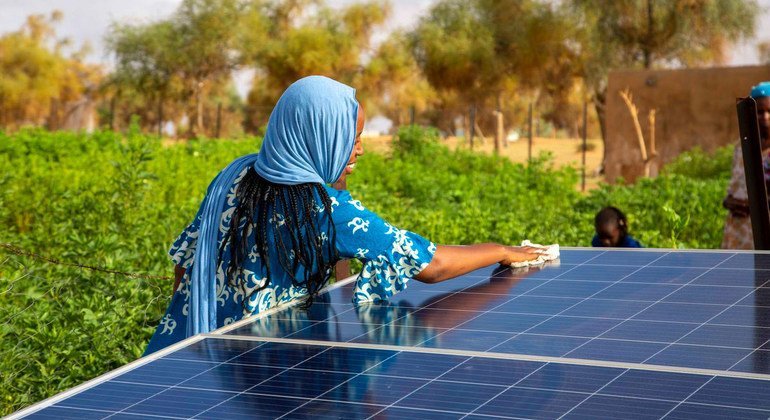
(301, 383)
(574, 326)
(213, 350)
(180, 402)
(727, 277)
(503, 322)
(491, 371)
(470, 301)
(450, 396)
(467, 340)
(166, 372)
(749, 261)
(665, 332)
(252, 406)
(550, 272)
(374, 389)
(758, 362)
(664, 275)
(692, 259)
(571, 288)
(395, 413)
(602, 407)
(509, 286)
(531, 403)
(333, 331)
(111, 396)
(417, 365)
(580, 256)
(742, 315)
(600, 273)
(278, 354)
(637, 291)
(231, 377)
(736, 392)
(63, 413)
(759, 298)
(680, 312)
(616, 350)
(334, 410)
(727, 336)
(443, 318)
(655, 385)
(698, 356)
(564, 377)
(709, 294)
(271, 327)
(349, 360)
(602, 308)
(540, 305)
(542, 345)
(634, 257)
(398, 335)
(711, 412)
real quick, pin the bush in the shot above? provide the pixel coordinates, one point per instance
(118, 202)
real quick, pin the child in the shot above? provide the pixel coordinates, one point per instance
(612, 230)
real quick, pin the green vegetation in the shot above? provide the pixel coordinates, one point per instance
(118, 202)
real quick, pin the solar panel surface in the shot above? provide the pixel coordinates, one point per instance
(634, 334)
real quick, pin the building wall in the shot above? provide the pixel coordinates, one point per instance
(694, 107)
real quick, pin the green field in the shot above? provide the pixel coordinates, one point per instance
(118, 201)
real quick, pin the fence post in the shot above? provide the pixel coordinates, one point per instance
(529, 136)
(585, 146)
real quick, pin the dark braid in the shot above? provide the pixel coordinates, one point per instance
(289, 217)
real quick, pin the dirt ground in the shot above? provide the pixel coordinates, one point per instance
(566, 151)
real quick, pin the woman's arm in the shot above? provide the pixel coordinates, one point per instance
(455, 260)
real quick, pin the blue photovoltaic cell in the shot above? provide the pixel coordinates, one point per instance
(702, 310)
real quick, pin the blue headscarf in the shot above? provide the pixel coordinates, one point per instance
(760, 90)
(310, 136)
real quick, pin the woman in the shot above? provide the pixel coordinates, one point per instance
(737, 233)
(270, 228)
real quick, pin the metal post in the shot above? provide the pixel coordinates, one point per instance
(585, 145)
(755, 178)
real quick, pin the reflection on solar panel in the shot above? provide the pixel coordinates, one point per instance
(631, 334)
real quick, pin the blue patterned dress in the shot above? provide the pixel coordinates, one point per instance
(391, 257)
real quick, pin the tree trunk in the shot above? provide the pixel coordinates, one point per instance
(198, 127)
(600, 100)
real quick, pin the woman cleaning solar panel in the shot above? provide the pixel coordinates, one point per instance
(270, 228)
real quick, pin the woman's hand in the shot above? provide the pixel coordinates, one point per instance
(520, 253)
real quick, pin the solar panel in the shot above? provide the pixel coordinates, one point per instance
(603, 333)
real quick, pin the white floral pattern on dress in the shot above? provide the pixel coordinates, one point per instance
(391, 257)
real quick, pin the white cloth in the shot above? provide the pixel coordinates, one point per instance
(550, 253)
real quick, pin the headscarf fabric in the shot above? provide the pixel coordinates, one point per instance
(310, 136)
(310, 133)
(761, 90)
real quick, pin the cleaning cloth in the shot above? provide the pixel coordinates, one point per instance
(550, 253)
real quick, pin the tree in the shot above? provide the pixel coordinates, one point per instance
(330, 42)
(39, 83)
(655, 33)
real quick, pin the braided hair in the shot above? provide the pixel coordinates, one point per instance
(290, 224)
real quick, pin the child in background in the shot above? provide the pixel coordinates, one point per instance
(612, 230)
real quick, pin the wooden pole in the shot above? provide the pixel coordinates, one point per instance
(411, 115)
(585, 144)
(219, 119)
(160, 116)
(472, 124)
(529, 136)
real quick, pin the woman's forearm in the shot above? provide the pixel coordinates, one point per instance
(455, 260)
